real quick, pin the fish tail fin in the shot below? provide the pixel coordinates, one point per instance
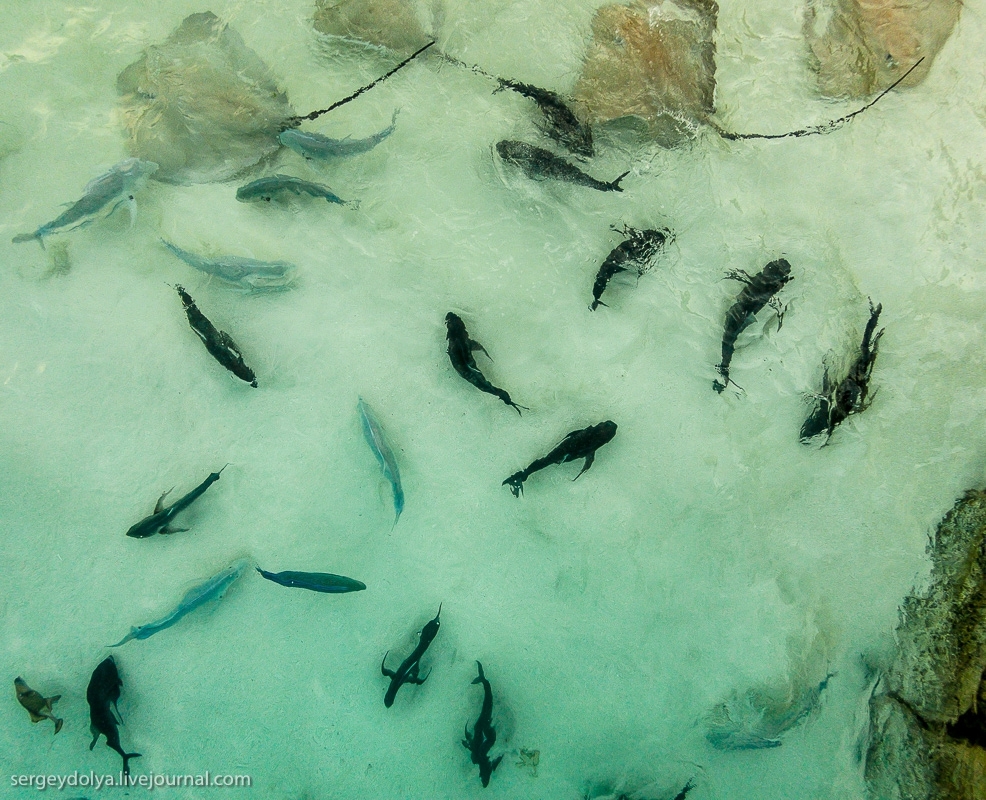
(596, 303)
(28, 237)
(58, 724)
(126, 761)
(615, 185)
(516, 483)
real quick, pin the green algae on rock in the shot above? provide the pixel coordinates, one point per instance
(928, 737)
(202, 105)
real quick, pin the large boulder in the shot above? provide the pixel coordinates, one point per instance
(202, 105)
(654, 62)
(859, 47)
(928, 726)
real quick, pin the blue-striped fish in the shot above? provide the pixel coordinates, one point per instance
(381, 449)
(314, 145)
(101, 197)
(315, 581)
(246, 273)
(212, 589)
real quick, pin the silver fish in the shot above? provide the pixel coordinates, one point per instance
(246, 273)
(314, 145)
(381, 449)
(101, 197)
(276, 185)
(212, 589)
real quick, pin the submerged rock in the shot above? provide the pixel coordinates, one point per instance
(859, 47)
(653, 61)
(386, 23)
(202, 105)
(928, 729)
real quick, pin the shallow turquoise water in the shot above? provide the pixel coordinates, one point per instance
(706, 552)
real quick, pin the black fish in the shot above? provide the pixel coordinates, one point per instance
(759, 290)
(407, 672)
(483, 735)
(577, 444)
(219, 343)
(685, 790)
(562, 124)
(634, 253)
(460, 349)
(538, 163)
(104, 689)
(158, 521)
(838, 401)
(315, 581)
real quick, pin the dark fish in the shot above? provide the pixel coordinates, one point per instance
(460, 349)
(158, 521)
(577, 444)
(848, 396)
(407, 672)
(562, 124)
(316, 581)
(272, 186)
(104, 689)
(759, 290)
(37, 706)
(219, 343)
(634, 254)
(538, 164)
(483, 736)
(685, 790)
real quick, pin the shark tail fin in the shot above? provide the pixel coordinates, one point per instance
(28, 237)
(516, 483)
(126, 761)
(614, 186)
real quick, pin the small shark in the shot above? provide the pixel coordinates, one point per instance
(101, 197)
(382, 450)
(483, 736)
(212, 589)
(248, 274)
(561, 123)
(158, 521)
(537, 163)
(634, 254)
(407, 672)
(266, 189)
(103, 690)
(577, 444)
(460, 353)
(314, 145)
(37, 706)
(219, 343)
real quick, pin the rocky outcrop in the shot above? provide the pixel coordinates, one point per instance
(928, 728)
